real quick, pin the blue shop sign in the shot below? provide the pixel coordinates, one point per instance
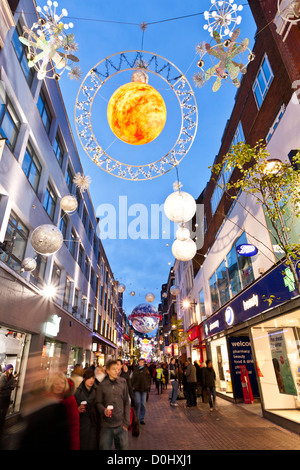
(246, 250)
(273, 289)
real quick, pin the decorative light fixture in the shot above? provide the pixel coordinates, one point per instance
(28, 264)
(49, 291)
(180, 207)
(184, 250)
(144, 318)
(182, 233)
(149, 297)
(223, 16)
(121, 288)
(175, 290)
(141, 63)
(46, 239)
(69, 203)
(50, 49)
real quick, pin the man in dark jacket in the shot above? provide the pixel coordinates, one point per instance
(124, 373)
(209, 378)
(191, 381)
(113, 391)
(141, 384)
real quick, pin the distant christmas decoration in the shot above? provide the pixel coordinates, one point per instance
(144, 318)
(50, 48)
(223, 16)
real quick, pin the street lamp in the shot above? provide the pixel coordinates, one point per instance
(187, 303)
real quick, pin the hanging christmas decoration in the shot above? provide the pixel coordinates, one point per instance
(184, 250)
(182, 233)
(121, 288)
(144, 318)
(224, 56)
(28, 264)
(46, 239)
(289, 11)
(132, 293)
(149, 297)
(180, 207)
(223, 16)
(175, 290)
(50, 48)
(69, 203)
(82, 182)
(142, 64)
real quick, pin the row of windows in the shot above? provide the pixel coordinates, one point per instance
(234, 274)
(260, 88)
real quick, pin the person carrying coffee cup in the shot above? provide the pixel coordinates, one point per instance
(113, 405)
(85, 396)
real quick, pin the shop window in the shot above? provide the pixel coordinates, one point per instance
(50, 201)
(222, 283)
(21, 52)
(9, 124)
(263, 81)
(245, 264)
(233, 272)
(16, 236)
(44, 111)
(58, 150)
(32, 167)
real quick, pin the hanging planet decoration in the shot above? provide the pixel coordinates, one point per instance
(149, 297)
(142, 64)
(136, 113)
(175, 290)
(121, 288)
(28, 264)
(69, 203)
(180, 207)
(144, 318)
(46, 239)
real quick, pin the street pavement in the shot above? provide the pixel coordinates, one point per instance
(230, 427)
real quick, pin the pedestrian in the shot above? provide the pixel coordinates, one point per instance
(100, 374)
(8, 383)
(191, 380)
(180, 375)
(165, 375)
(159, 379)
(141, 384)
(124, 373)
(174, 382)
(76, 375)
(62, 388)
(198, 377)
(85, 396)
(113, 392)
(209, 383)
(202, 387)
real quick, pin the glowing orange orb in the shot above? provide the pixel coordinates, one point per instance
(136, 113)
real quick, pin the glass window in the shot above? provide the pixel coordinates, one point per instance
(44, 111)
(69, 178)
(9, 124)
(50, 201)
(63, 225)
(222, 283)
(32, 167)
(214, 292)
(202, 305)
(233, 272)
(67, 294)
(85, 217)
(86, 267)
(217, 194)
(245, 264)
(17, 236)
(81, 256)
(72, 245)
(58, 150)
(38, 275)
(21, 52)
(263, 81)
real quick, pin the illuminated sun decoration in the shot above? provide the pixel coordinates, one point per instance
(136, 112)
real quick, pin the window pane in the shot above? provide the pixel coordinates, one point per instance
(245, 264)
(214, 292)
(266, 71)
(233, 272)
(9, 130)
(222, 282)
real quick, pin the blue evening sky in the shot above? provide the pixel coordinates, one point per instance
(100, 31)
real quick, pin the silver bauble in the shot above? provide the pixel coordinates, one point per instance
(46, 239)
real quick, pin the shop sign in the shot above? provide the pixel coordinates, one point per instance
(246, 250)
(52, 326)
(241, 356)
(193, 333)
(168, 350)
(126, 337)
(273, 289)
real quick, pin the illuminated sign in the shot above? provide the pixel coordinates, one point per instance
(229, 316)
(253, 302)
(246, 250)
(52, 327)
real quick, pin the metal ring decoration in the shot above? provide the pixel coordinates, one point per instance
(150, 63)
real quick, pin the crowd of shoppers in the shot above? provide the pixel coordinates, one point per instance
(95, 407)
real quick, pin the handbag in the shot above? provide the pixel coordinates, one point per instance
(134, 423)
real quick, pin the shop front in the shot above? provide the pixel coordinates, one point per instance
(103, 350)
(254, 344)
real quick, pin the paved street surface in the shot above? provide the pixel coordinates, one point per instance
(230, 427)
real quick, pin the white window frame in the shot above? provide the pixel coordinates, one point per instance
(256, 84)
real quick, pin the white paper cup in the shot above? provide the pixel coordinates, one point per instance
(84, 403)
(110, 408)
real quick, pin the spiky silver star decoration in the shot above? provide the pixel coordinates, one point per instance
(82, 182)
(199, 79)
(75, 73)
(177, 185)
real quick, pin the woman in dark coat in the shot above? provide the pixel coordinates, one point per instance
(89, 426)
